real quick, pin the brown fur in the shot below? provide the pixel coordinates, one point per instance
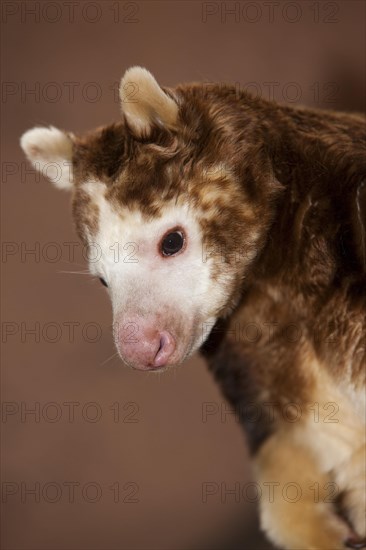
(282, 199)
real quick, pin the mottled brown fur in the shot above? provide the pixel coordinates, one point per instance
(281, 196)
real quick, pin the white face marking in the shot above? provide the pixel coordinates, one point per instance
(175, 293)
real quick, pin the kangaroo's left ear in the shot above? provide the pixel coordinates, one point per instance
(144, 103)
(50, 152)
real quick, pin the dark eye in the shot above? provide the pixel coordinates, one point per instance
(172, 243)
(103, 281)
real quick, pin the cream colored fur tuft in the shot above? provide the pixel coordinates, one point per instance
(50, 151)
(145, 103)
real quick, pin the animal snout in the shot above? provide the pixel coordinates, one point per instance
(142, 345)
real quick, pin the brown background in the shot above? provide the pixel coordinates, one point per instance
(308, 52)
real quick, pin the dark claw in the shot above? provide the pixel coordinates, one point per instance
(354, 542)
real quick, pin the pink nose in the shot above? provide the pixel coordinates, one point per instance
(143, 346)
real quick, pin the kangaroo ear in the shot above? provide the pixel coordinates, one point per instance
(144, 103)
(50, 151)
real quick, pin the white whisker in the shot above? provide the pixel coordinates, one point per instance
(75, 272)
(109, 359)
